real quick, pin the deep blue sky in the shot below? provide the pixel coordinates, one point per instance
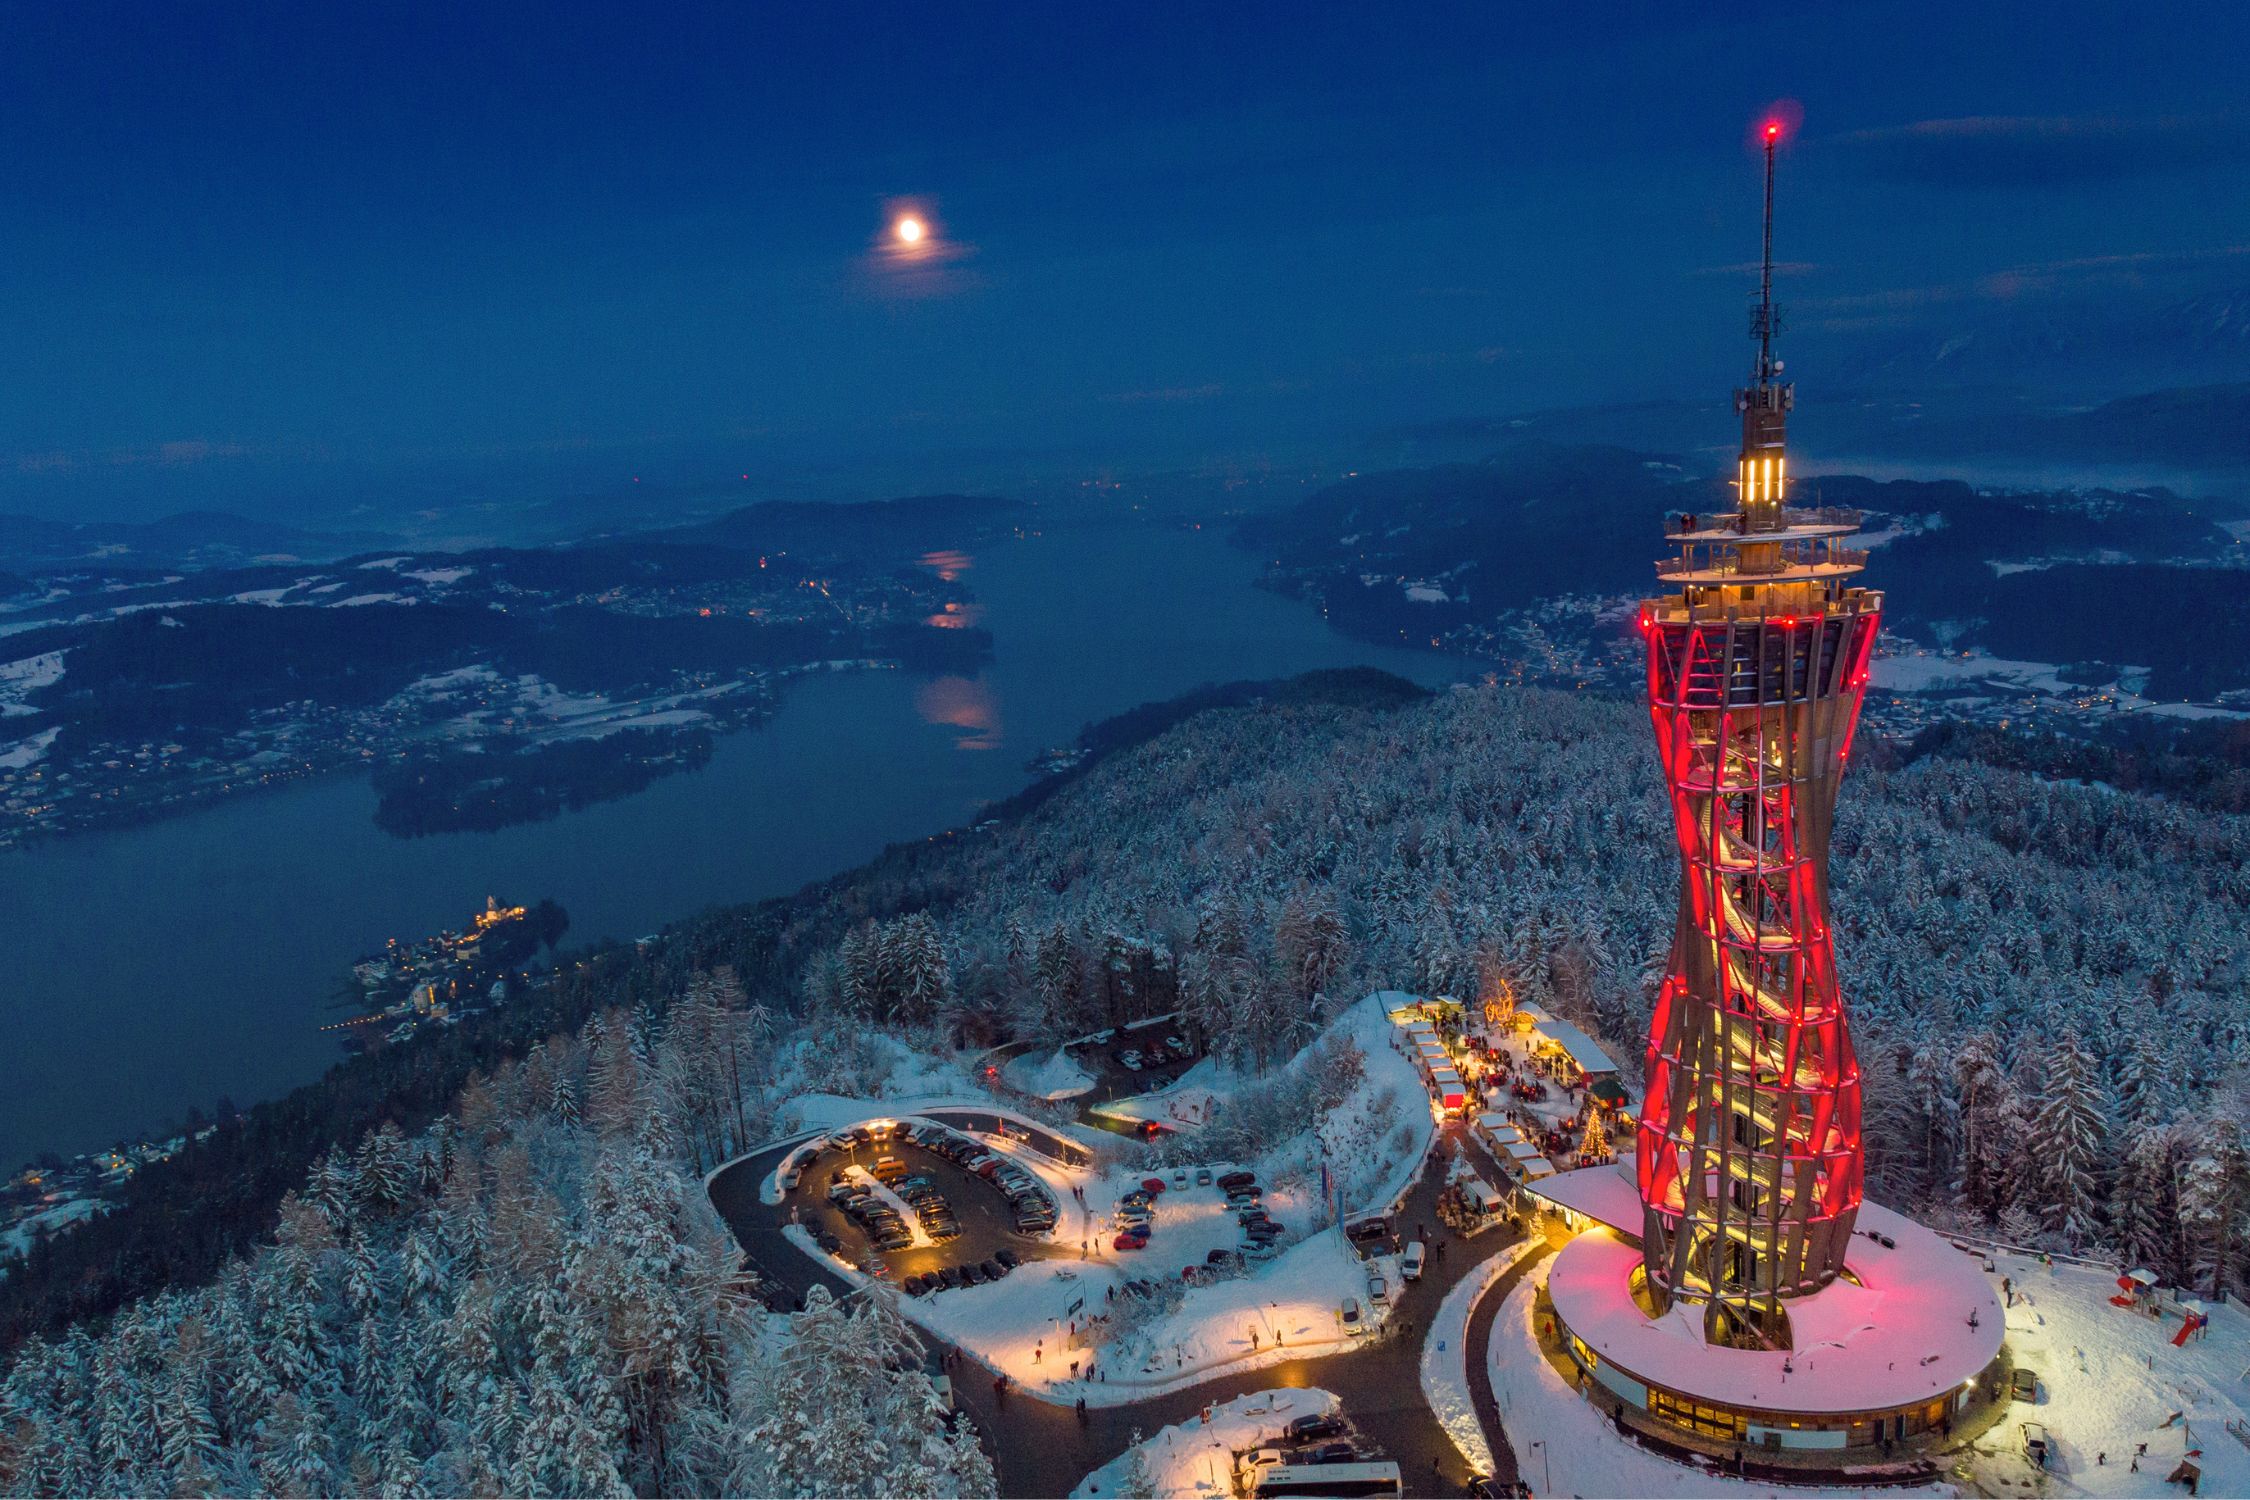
(310, 240)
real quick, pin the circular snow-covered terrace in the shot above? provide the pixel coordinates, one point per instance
(1892, 1348)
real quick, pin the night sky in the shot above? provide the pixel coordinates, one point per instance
(320, 240)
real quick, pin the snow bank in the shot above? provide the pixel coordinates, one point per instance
(1289, 1309)
(1196, 1457)
(1445, 1357)
(1057, 1076)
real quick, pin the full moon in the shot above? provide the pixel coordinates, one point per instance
(911, 231)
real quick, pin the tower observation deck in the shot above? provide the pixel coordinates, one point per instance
(1749, 1157)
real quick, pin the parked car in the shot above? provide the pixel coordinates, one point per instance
(1410, 1264)
(1378, 1288)
(1130, 1239)
(1308, 1429)
(992, 1268)
(1329, 1453)
(1177, 1044)
(1353, 1316)
(1258, 1250)
(1007, 1257)
(1130, 1062)
(1260, 1458)
(790, 1177)
(2035, 1445)
(2023, 1385)
(1373, 1227)
(1202, 1176)
(1233, 1180)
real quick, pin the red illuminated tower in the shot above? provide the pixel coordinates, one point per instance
(1749, 1144)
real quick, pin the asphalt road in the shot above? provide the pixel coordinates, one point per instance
(1042, 1449)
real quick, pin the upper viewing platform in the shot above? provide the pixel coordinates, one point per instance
(1796, 524)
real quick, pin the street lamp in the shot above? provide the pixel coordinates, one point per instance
(1546, 1469)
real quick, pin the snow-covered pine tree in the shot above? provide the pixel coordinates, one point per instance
(2070, 1144)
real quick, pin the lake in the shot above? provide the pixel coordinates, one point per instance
(147, 970)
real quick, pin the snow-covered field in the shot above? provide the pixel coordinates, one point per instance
(2110, 1379)
(1196, 1457)
(19, 679)
(1924, 671)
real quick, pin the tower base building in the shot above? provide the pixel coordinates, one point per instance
(1903, 1342)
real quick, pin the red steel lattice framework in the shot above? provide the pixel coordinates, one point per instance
(1749, 1143)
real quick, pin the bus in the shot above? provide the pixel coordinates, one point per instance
(1327, 1479)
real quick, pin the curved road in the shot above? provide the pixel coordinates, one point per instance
(1043, 1449)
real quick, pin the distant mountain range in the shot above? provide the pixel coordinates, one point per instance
(1444, 553)
(190, 540)
(2077, 345)
(914, 522)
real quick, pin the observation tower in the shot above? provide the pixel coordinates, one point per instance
(1733, 1289)
(1749, 1141)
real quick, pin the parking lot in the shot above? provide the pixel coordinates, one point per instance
(956, 1216)
(1153, 1062)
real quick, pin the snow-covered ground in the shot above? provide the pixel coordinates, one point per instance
(2109, 1380)
(1920, 671)
(18, 1238)
(1047, 1075)
(1563, 1443)
(1445, 1358)
(19, 679)
(1196, 1457)
(27, 752)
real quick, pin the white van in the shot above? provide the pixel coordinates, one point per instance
(1410, 1263)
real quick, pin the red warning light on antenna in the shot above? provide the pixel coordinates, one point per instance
(1776, 123)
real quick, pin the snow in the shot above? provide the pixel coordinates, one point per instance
(1196, 1457)
(1186, 1100)
(1580, 1452)
(1582, 1048)
(25, 676)
(663, 718)
(1424, 593)
(358, 599)
(1902, 1333)
(1287, 1309)
(2109, 1379)
(439, 575)
(386, 562)
(1058, 1076)
(18, 1238)
(1917, 671)
(28, 752)
(1445, 1357)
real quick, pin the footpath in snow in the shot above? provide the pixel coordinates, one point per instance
(1446, 1354)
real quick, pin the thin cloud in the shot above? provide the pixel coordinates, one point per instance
(2031, 151)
